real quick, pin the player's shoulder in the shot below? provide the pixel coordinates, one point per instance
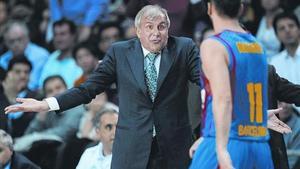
(210, 44)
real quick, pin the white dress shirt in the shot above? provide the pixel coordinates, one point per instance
(93, 158)
(288, 66)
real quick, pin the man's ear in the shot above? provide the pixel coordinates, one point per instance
(138, 32)
(241, 10)
(209, 8)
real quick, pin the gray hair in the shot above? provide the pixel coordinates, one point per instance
(151, 11)
(105, 110)
(11, 24)
(6, 139)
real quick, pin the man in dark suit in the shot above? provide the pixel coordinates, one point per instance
(10, 159)
(152, 73)
(282, 90)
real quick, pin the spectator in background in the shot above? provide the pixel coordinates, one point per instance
(3, 19)
(265, 33)
(128, 29)
(10, 159)
(287, 62)
(15, 85)
(64, 125)
(99, 157)
(61, 61)
(291, 117)
(86, 57)
(109, 33)
(17, 40)
(86, 129)
(83, 12)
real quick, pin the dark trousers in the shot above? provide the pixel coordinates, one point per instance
(156, 159)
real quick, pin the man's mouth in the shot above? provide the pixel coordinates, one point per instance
(156, 41)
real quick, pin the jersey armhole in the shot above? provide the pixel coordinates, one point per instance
(231, 58)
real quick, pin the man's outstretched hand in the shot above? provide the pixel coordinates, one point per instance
(28, 105)
(275, 124)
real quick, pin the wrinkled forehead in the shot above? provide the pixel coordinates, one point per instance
(155, 18)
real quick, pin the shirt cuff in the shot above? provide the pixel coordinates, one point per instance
(52, 103)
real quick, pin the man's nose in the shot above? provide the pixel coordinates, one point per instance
(156, 31)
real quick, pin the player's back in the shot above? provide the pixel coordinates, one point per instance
(248, 78)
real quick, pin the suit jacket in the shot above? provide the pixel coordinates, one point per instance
(19, 161)
(124, 64)
(280, 89)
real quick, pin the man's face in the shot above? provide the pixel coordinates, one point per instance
(270, 4)
(16, 40)
(54, 87)
(153, 32)
(287, 31)
(86, 60)
(63, 38)
(19, 75)
(108, 36)
(5, 154)
(107, 128)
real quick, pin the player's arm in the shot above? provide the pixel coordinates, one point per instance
(215, 66)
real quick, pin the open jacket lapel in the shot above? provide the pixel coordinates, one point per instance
(167, 59)
(136, 60)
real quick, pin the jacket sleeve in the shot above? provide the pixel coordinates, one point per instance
(98, 81)
(285, 90)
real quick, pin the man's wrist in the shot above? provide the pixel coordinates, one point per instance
(52, 103)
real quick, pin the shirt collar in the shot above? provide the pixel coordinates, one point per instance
(146, 52)
(297, 53)
(100, 151)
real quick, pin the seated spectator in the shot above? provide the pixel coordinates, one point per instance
(291, 117)
(86, 127)
(48, 124)
(86, 57)
(99, 157)
(109, 33)
(15, 85)
(265, 33)
(287, 62)
(129, 29)
(61, 61)
(10, 159)
(16, 36)
(3, 20)
(84, 13)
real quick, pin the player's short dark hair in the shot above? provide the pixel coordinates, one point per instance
(85, 45)
(228, 8)
(50, 78)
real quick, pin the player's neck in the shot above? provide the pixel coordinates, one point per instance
(221, 24)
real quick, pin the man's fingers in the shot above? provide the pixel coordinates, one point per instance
(11, 109)
(275, 111)
(21, 100)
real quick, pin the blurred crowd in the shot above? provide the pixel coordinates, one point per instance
(48, 46)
